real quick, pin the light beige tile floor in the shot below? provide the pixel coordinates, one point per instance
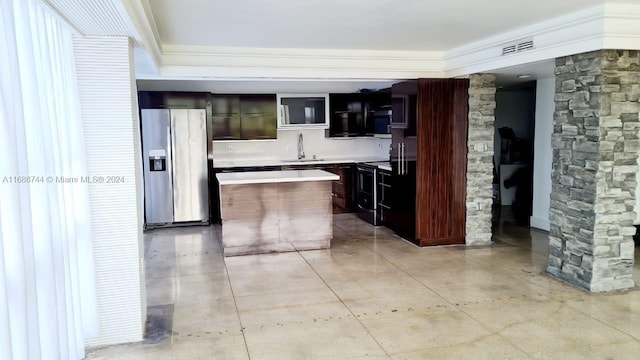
(376, 296)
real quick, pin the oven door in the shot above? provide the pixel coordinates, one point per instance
(366, 193)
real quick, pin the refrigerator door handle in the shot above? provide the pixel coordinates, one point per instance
(169, 159)
(404, 158)
(402, 152)
(172, 173)
(402, 164)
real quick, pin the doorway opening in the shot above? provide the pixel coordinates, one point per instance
(514, 154)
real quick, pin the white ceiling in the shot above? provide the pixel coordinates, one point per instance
(434, 25)
(346, 45)
(531, 71)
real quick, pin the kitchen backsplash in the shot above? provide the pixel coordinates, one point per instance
(315, 143)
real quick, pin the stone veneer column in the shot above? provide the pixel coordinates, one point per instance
(595, 152)
(482, 104)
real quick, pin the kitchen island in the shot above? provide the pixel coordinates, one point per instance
(275, 211)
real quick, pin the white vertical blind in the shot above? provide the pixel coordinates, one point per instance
(109, 116)
(47, 278)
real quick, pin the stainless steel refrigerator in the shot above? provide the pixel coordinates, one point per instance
(174, 146)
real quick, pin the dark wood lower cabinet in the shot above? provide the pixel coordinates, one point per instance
(342, 190)
(402, 215)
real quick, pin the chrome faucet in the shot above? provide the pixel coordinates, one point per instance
(300, 147)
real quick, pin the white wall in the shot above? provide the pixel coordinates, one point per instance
(543, 154)
(109, 115)
(315, 143)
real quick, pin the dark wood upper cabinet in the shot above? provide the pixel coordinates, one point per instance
(225, 127)
(172, 100)
(347, 113)
(225, 104)
(243, 117)
(258, 126)
(358, 114)
(379, 100)
(259, 117)
(258, 104)
(442, 161)
(404, 97)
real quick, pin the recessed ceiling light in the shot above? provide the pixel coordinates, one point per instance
(524, 76)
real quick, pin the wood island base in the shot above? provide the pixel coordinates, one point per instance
(261, 218)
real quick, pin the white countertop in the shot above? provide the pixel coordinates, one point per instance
(263, 177)
(223, 163)
(384, 165)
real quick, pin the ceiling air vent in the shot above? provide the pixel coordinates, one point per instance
(510, 49)
(525, 45)
(517, 47)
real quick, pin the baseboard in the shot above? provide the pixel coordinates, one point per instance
(539, 223)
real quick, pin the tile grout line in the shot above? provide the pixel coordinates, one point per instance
(406, 273)
(454, 305)
(233, 294)
(387, 252)
(345, 305)
(461, 309)
(604, 322)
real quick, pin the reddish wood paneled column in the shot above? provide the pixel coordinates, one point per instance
(442, 161)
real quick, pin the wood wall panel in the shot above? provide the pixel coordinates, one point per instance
(442, 161)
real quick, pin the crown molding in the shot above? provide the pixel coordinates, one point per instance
(621, 27)
(477, 63)
(209, 61)
(141, 17)
(552, 25)
(612, 26)
(169, 49)
(288, 73)
(622, 10)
